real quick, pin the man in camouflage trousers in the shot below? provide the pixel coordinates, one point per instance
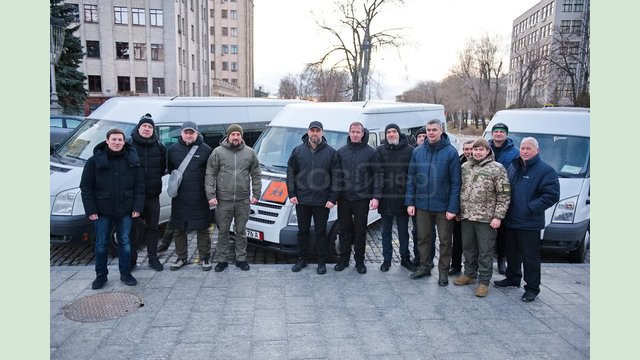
(484, 200)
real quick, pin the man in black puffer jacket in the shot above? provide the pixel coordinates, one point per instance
(112, 188)
(190, 208)
(153, 159)
(395, 155)
(360, 183)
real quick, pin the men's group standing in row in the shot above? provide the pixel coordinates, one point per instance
(473, 193)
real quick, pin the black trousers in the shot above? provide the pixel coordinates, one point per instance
(500, 242)
(145, 230)
(456, 252)
(320, 216)
(523, 250)
(352, 216)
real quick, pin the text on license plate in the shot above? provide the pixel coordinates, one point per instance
(255, 234)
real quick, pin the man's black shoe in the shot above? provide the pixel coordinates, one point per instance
(162, 248)
(361, 268)
(128, 279)
(99, 282)
(133, 266)
(322, 268)
(221, 266)
(156, 265)
(455, 271)
(243, 265)
(416, 261)
(502, 265)
(299, 265)
(443, 280)
(406, 262)
(341, 265)
(529, 296)
(505, 282)
(385, 266)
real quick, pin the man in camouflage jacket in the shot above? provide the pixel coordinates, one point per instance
(484, 200)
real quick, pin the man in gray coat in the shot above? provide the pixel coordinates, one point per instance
(233, 181)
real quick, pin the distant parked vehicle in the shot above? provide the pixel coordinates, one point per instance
(60, 127)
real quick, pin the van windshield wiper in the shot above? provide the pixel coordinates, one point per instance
(273, 167)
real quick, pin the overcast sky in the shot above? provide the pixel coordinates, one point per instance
(287, 37)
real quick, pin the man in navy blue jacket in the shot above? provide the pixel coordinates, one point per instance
(433, 195)
(534, 188)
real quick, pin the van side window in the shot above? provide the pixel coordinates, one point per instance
(373, 139)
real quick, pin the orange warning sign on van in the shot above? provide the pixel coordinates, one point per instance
(276, 192)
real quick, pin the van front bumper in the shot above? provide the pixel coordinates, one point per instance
(65, 230)
(563, 237)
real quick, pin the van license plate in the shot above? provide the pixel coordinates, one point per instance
(255, 234)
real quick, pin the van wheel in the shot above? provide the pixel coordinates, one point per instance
(112, 245)
(334, 244)
(579, 254)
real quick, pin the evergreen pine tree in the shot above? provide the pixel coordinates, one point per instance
(69, 81)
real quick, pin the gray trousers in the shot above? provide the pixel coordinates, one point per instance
(204, 243)
(424, 219)
(237, 211)
(478, 239)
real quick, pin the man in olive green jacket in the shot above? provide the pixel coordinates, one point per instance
(484, 200)
(232, 182)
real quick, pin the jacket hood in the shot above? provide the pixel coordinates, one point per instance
(227, 145)
(135, 135)
(102, 159)
(404, 141)
(443, 142)
(365, 139)
(323, 143)
(508, 143)
(488, 159)
(199, 140)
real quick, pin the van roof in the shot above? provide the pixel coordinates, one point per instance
(338, 115)
(179, 109)
(564, 121)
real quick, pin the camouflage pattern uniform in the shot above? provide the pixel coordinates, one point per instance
(484, 195)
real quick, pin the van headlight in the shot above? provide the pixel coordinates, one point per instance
(565, 210)
(293, 217)
(63, 203)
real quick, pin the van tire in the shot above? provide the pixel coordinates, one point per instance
(333, 243)
(579, 255)
(112, 244)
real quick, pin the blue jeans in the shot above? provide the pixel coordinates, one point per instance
(103, 227)
(402, 222)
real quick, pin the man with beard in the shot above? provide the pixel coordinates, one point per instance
(190, 209)
(312, 188)
(394, 155)
(153, 159)
(233, 182)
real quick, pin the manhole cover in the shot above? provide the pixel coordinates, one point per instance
(104, 306)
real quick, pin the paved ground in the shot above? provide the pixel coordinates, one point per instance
(271, 313)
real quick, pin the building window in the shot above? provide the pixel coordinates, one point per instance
(212, 13)
(142, 87)
(234, 66)
(137, 16)
(191, 5)
(122, 50)
(91, 13)
(212, 30)
(157, 52)
(155, 17)
(193, 62)
(193, 89)
(124, 84)
(225, 31)
(93, 49)
(225, 49)
(578, 5)
(576, 26)
(75, 12)
(213, 65)
(233, 14)
(213, 48)
(565, 26)
(224, 14)
(158, 85)
(225, 65)
(121, 15)
(234, 49)
(95, 83)
(140, 51)
(234, 82)
(567, 6)
(234, 32)
(193, 33)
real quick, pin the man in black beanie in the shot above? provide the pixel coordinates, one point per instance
(153, 160)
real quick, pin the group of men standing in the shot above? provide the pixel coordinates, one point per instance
(122, 181)
(472, 193)
(491, 191)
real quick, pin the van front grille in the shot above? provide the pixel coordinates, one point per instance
(264, 221)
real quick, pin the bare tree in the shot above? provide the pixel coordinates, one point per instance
(355, 40)
(288, 88)
(569, 60)
(424, 92)
(526, 64)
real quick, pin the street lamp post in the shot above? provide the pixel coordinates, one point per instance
(56, 43)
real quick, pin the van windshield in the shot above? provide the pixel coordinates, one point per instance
(568, 155)
(78, 148)
(275, 145)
